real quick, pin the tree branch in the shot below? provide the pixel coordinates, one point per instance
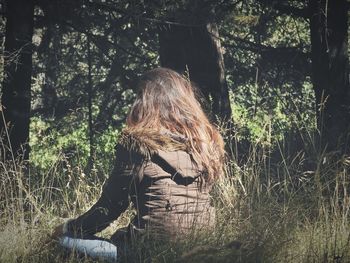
(259, 48)
(291, 10)
(286, 9)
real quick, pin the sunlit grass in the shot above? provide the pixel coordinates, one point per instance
(294, 208)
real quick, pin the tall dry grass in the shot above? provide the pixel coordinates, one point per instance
(275, 206)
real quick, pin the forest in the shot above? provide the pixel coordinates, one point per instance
(274, 78)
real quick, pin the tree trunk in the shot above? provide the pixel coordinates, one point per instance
(15, 98)
(52, 69)
(197, 49)
(330, 65)
(90, 95)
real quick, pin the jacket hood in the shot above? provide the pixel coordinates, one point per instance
(148, 142)
(170, 151)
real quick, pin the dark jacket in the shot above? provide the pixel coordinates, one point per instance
(157, 173)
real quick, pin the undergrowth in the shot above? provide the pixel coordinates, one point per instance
(274, 206)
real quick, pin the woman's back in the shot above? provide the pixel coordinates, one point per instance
(169, 194)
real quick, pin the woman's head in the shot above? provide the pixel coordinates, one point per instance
(167, 102)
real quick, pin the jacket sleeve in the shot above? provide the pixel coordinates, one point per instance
(114, 198)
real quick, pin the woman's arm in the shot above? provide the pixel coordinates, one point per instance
(114, 198)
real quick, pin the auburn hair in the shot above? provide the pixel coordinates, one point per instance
(167, 102)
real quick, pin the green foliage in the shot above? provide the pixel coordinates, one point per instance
(266, 120)
(266, 59)
(50, 141)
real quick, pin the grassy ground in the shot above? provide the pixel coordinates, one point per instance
(290, 208)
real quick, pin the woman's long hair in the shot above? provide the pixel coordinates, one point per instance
(166, 102)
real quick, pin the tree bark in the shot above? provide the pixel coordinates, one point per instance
(90, 95)
(52, 52)
(197, 49)
(330, 68)
(15, 98)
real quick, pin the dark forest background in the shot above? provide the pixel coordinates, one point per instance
(73, 63)
(274, 76)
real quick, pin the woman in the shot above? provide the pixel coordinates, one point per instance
(167, 159)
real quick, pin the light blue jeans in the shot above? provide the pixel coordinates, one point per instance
(94, 248)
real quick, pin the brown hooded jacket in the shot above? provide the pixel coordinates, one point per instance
(158, 174)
